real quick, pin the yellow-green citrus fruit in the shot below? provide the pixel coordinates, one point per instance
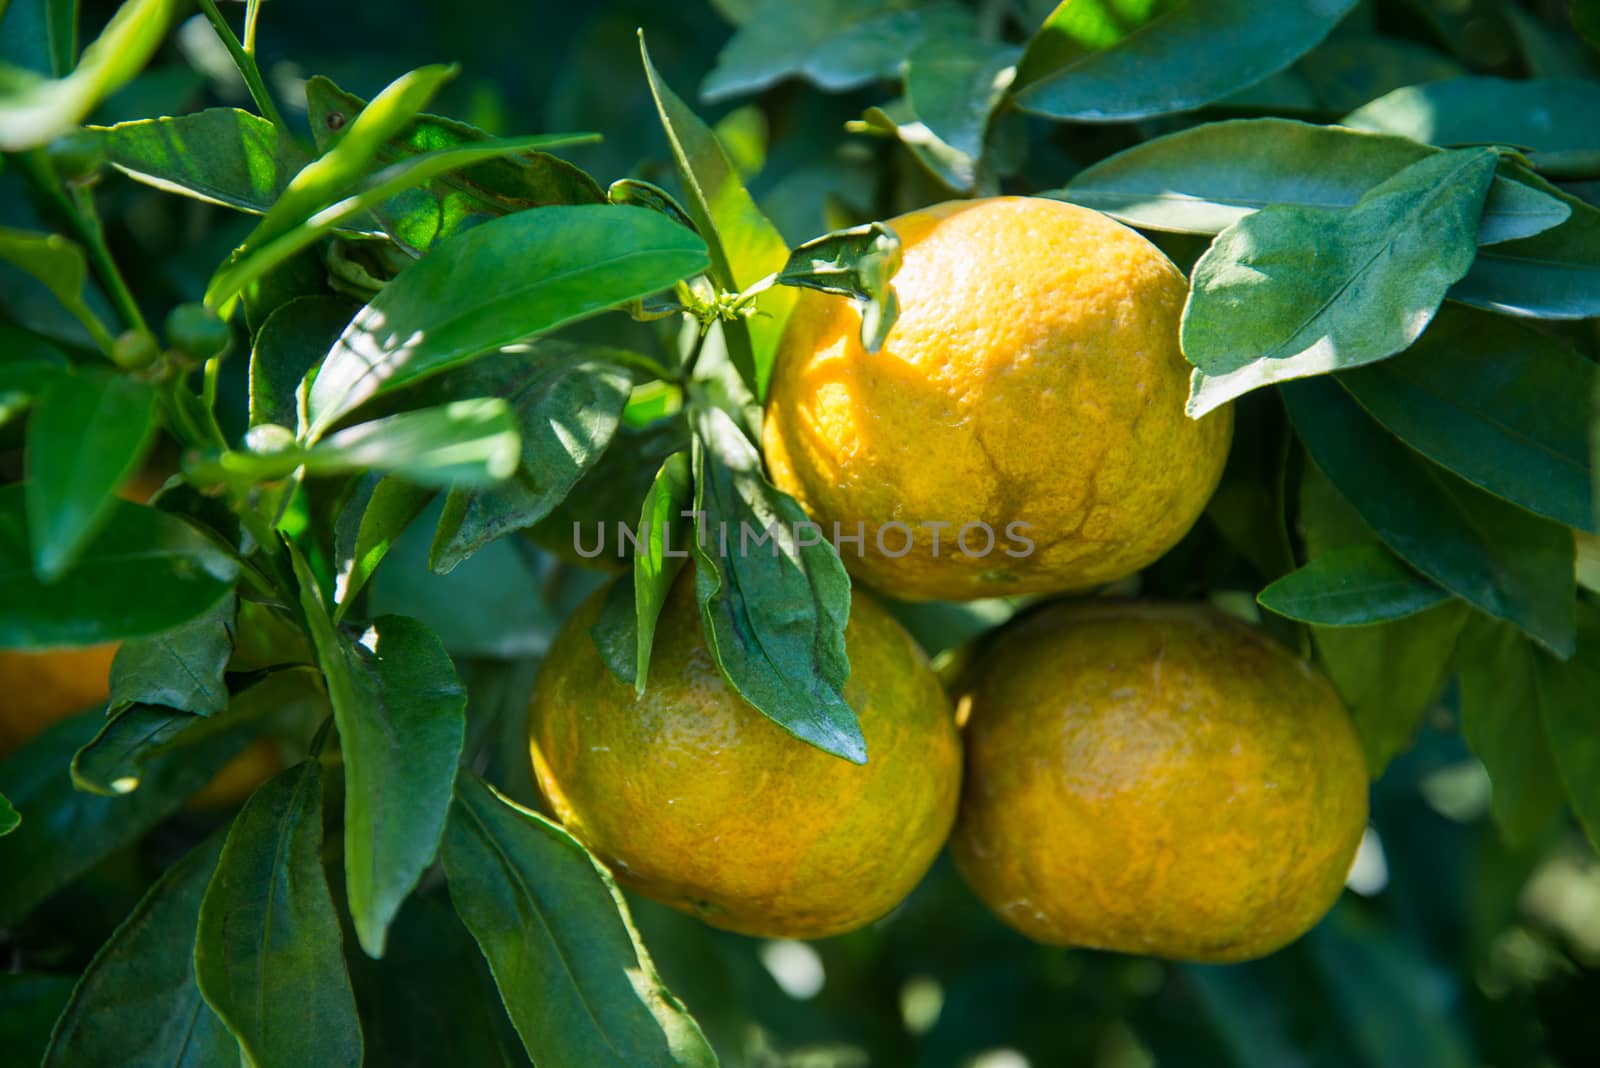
(693, 797)
(1157, 779)
(1033, 378)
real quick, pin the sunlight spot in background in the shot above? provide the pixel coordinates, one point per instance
(999, 1058)
(207, 54)
(1564, 894)
(795, 967)
(1369, 872)
(1459, 792)
(921, 1002)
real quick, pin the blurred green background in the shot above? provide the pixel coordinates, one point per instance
(1449, 948)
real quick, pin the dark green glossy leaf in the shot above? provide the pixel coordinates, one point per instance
(1552, 275)
(291, 342)
(421, 217)
(137, 1004)
(1390, 674)
(1501, 405)
(1503, 560)
(379, 511)
(858, 263)
(1551, 119)
(744, 247)
(181, 668)
(1349, 587)
(268, 954)
(222, 155)
(954, 82)
(400, 712)
(567, 402)
(453, 1016)
(464, 443)
(1501, 719)
(1289, 292)
(146, 572)
(89, 433)
(1187, 55)
(27, 364)
(1571, 717)
(500, 282)
(285, 239)
(65, 832)
(834, 44)
(575, 978)
(662, 526)
(1204, 179)
(35, 110)
(133, 744)
(612, 489)
(773, 612)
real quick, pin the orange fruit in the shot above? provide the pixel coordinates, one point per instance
(693, 797)
(1156, 779)
(1033, 378)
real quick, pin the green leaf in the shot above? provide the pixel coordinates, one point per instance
(1351, 587)
(834, 44)
(33, 1001)
(1390, 674)
(640, 194)
(291, 342)
(500, 282)
(220, 155)
(1503, 560)
(946, 163)
(858, 263)
(567, 401)
(574, 976)
(1586, 20)
(1501, 719)
(1501, 405)
(257, 260)
(656, 564)
(323, 180)
(1569, 714)
(1190, 54)
(67, 831)
(1290, 292)
(1553, 275)
(773, 612)
(35, 111)
(954, 83)
(463, 443)
(59, 264)
(89, 433)
(1204, 179)
(137, 1004)
(744, 247)
(144, 573)
(27, 364)
(1552, 120)
(611, 490)
(181, 668)
(10, 819)
(268, 954)
(400, 710)
(419, 218)
(366, 529)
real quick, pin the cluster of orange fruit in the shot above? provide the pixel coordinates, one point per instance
(1145, 777)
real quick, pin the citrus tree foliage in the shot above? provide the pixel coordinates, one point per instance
(384, 351)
